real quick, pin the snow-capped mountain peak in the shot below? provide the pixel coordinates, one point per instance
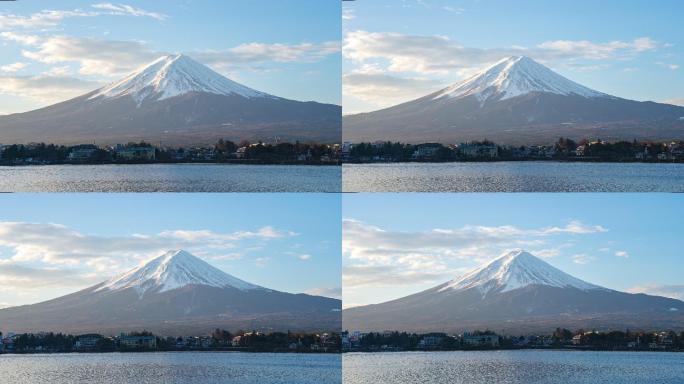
(514, 270)
(174, 75)
(172, 270)
(515, 76)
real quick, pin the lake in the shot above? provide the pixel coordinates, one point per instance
(170, 178)
(514, 176)
(513, 367)
(171, 367)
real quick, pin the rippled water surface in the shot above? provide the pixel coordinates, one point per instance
(542, 176)
(514, 367)
(180, 367)
(171, 178)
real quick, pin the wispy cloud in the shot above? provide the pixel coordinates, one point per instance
(380, 257)
(46, 18)
(408, 62)
(47, 88)
(674, 291)
(623, 254)
(348, 13)
(334, 292)
(14, 67)
(55, 244)
(582, 259)
(123, 9)
(52, 18)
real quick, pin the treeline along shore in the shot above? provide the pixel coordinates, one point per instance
(563, 150)
(393, 341)
(224, 151)
(218, 340)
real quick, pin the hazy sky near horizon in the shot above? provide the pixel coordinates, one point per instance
(398, 50)
(398, 244)
(55, 244)
(53, 51)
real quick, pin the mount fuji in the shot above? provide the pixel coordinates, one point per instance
(175, 100)
(517, 293)
(175, 293)
(517, 101)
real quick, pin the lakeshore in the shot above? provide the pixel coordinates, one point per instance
(217, 341)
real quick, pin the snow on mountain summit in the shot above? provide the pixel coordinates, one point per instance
(515, 76)
(174, 269)
(174, 75)
(513, 270)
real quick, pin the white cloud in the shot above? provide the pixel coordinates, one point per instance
(262, 262)
(94, 56)
(456, 10)
(440, 54)
(17, 277)
(21, 38)
(348, 14)
(248, 54)
(582, 259)
(375, 256)
(675, 291)
(46, 88)
(114, 58)
(304, 257)
(443, 61)
(55, 244)
(334, 292)
(622, 254)
(676, 101)
(673, 66)
(52, 18)
(123, 9)
(383, 89)
(14, 67)
(46, 18)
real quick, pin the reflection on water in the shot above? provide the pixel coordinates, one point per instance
(513, 367)
(171, 368)
(543, 176)
(171, 178)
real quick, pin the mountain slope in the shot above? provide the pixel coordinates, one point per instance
(176, 293)
(517, 101)
(177, 101)
(517, 293)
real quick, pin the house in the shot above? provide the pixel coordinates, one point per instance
(236, 341)
(87, 342)
(425, 151)
(240, 153)
(480, 340)
(478, 150)
(430, 341)
(580, 150)
(577, 339)
(80, 154)
(138, 341)
(7, 344)
(137, 154)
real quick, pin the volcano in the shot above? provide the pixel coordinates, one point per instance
(177, 101)
(175, 294)
(517, 293)
(517, 101)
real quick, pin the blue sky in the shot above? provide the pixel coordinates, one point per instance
(396, 50)
(57, 244)
(398, 244)
(50, 51)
